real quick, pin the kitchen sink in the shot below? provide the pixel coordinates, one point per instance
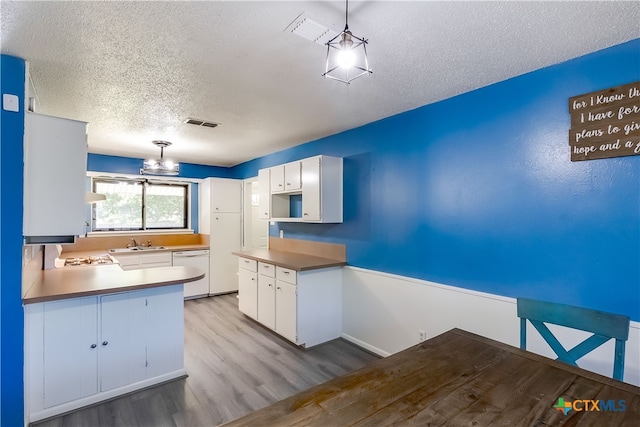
(136, 248)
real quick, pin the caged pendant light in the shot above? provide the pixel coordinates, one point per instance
(161, 166)
(346, 55)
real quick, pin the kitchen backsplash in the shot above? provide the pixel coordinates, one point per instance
(94, 243)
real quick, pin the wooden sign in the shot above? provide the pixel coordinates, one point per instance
(605, 123)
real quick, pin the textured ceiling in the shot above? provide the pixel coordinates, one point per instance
(135, 70)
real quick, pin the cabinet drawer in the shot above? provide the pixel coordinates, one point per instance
(248, 264)
(155, 259)
(286, 275)
(267, 269)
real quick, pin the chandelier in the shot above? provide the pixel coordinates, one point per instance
(346, 55)
(160, 166)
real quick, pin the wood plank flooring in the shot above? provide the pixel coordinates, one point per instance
(235, 367)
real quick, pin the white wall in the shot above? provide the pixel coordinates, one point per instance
(384, 313)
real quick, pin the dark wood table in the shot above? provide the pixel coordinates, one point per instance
(458, 379)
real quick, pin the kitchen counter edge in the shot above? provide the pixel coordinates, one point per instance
(291, 260)
(66, 283)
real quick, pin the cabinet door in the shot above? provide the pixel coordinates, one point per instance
(122, 339)
(292, 179)
(248, 292)
(267, 301)
(70, 350)
(204, 206)
(55, 164)
(164, 330)
(277, 179)
(286, 310)
(226, 236)
(264, 194)
(226, 195)
(311, 189)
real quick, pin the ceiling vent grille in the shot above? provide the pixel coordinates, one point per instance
(311, 28)
(198, 122)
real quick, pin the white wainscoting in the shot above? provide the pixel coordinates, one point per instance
(384, 313)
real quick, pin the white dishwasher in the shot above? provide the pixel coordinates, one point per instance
(200, 260)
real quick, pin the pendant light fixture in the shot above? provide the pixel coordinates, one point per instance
(346, 55)
(161, 166)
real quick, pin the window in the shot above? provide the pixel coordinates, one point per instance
(139, 205)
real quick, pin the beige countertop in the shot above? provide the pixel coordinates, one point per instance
(292, 260)
(82, 281)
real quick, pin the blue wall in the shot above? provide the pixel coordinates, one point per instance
(128, 165)
(11, 316)
(478, 191)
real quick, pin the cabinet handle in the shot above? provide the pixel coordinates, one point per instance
(288, 183)
(94, 345)
(306, 214)
(279, 185)
(278, 288)
(269, 284)
(217, 208)
(266, 266)
(105, 342)
(285, 272)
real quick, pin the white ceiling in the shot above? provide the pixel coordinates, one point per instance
(135, 70)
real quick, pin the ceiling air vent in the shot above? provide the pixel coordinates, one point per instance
(198, 122)
(311, 29)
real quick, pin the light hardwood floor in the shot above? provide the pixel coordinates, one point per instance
(235, 366)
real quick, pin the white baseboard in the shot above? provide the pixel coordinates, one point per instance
(384, 313)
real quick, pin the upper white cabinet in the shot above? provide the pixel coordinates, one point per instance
(55, 167)
(309, 190)
(277, 179)
(218, 195)
(292, 176)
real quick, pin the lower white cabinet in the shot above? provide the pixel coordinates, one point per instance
(304, 307)
(248, 287)
(84, 350)
(136, 261)
(226, 237)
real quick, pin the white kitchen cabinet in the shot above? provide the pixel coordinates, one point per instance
(137, 260)
(85, 350)
(220, 217)
(248, 287)
(226, 236)
(218, 195)
(267, 295)
(55, 167)
(317, 181)
(285, 178)
(264, 201)
(277, 179)
(304, 307)
(69, 351)
(122, 339)
(286, 308)
(292, 178)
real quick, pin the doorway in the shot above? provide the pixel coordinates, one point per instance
(256, 231)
